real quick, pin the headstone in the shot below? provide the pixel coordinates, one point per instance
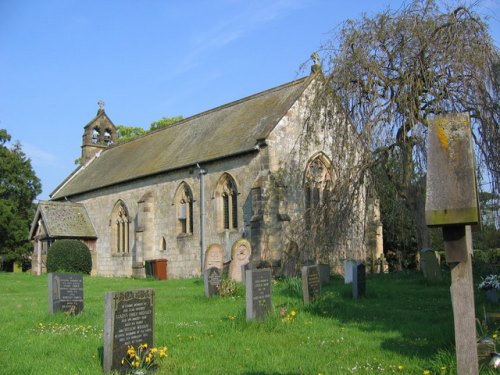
(348, 269)
(128, 320)
(213, 267)
(213, 279)
(65, 293)
(258, 293)
(311, 283)
(358, 280)
(244, 269)
(431, 269)
(214, 256)
(324, 273)
(240, 255)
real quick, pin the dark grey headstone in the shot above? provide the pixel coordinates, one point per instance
(213, 280)
(429, 262)
(258, 293)
(65, 293)
(359, 280)
(311, 283)
(128, 320)
(324, 273)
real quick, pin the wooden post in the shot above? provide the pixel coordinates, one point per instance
(452, 203)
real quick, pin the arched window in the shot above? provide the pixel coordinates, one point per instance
(227, 196)
(317, 187)
(120, 228)
(107, 137)
(184, 206)
(95, 136)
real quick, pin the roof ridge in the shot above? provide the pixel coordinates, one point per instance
(215, 109)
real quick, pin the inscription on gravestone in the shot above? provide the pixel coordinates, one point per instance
(311, 283)
(258, 293)
(212, 281)
(129, 320)
(65, 293)
(359, 280)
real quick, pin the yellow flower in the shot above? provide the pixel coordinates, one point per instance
(400, 367)
(426, 372)
(494, 336)
(154, 350)
(144, 346)
(293, 313)
(123, 361)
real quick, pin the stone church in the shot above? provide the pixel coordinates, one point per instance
(209, 178)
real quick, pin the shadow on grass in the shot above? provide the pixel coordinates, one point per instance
(421, 313)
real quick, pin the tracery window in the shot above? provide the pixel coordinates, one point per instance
(120, 228)
(317, 188)
(107, 137)
(227, 196)
(184, 203)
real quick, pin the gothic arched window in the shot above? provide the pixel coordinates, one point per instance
(227, 197)
(184, 207)
(107, 137)
(317, 187)
(120, 221)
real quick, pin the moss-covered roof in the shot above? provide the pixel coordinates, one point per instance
(228, 130)
(63, 220)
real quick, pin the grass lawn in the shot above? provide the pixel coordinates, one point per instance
(402, 326)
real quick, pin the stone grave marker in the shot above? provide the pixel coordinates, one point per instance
(214, 256)
(213, 266)
(128, 320)
(324, 273)
(240, 255)
(358, 280)
(311, 283)
(348, 269)
(65, 293)
(213, 279)
(431, 269)
(258, 293)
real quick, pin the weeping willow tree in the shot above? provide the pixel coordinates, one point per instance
(392, 72)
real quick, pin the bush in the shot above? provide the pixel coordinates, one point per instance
(69, 256)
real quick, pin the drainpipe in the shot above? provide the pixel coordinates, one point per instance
(202, 172)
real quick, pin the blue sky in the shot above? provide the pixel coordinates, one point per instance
(150, 59)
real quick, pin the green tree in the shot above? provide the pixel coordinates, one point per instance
(126, 133)
(392, 72)
(165, 121)
(19, 187)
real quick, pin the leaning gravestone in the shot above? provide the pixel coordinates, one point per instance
(213, 266)
(240, 255)
(65, 293)
(430, 265)
(258, 293)
(128, 320)
(311, 283)
(358, 280)
(348, 270)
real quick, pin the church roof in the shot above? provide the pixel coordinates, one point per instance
(63, 220)
(228, 130)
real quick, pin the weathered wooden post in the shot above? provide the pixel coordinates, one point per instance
(452, 203)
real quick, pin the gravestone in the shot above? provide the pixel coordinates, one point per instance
(65, 293)
(348, 269)
(213, 266)
(213, 279)
(311, 283)
(128, 320)
(324, 273)
(258, 293)
(214, 257)
(431, 269)
(240, 255)
(358, 280)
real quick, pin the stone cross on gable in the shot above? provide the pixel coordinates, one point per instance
(101, 104)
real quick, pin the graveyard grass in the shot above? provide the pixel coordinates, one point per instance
(402, 326)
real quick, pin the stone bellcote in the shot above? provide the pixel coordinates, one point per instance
(98, 134)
